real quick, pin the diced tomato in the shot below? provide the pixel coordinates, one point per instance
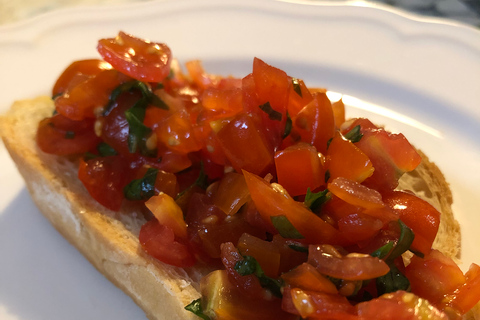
(140, 59)
(82, 100)
(221, 103)
(105, 178)
(306, 277)
(316, 123)
(168, 214)
(399, 305)
(344, 159)
(356, 194)
(270, 203)
(114, 126)
(418, 215)
(338, 108)
(249, 284)
(199, 77)
(359, 226)
(299, 168)
(350, 267)
(434, 276)
(78, 71)
(391, 155)
(265, 252)
(221, 299)
(159, 242)
(298, 97)
(209, 227)
(232, 193)
(244, 145)
(317, 305)
(468, 295)
(62, 136)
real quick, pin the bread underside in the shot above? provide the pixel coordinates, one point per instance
(109, 240)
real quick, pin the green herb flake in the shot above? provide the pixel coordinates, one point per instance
(105, 150)
(143, 188)
(288, 127)
(384, 250)
(272, 113)
(393, 281)
(196, 308)
(249, 265)
(285, 227)
(315, 200)
(354, 135)
(137, 131)
(296, 86)
(404, 241)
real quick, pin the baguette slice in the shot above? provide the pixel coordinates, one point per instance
(109, 240)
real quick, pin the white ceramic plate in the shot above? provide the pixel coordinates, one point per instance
(420, 77)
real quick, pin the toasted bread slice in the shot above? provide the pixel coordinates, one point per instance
(109, 240)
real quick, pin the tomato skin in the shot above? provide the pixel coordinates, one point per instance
(316, 123)
(345, 267)
(249, 284)
(317, 305)
(159, 242)
(148, 61)
(418, 215)
(81, 101)
(356, 194)
(77, 72)
(265, 252)
(399, 305)
(272, 203)
(62, 136)
(299, 168)
(105, 179)
(468, 295)
(306, 277)
(434, 276)
(245, 145)
(344, 159)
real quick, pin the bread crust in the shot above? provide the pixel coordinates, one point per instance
(109, 240)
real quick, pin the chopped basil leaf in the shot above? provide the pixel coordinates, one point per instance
(404, 241)
(394, 280)
(137, 131)
(69, 135)
(314, 201)
(249, 265)
(196, 308)
(143, 188)
(148, 97)
(296, 86)
(354, 134)
(285, 228)
(105, 150)
(384, 250)
(272, 113)
(201, 181)
(288, 127)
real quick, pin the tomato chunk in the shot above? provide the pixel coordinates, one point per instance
(140, 59)
(299, 168)
(350, 267)
(159, 242)
(271, 203)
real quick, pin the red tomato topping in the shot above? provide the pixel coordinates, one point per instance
(140, 59)
(298, 168)
(62, 136)
(224, 165)
(159, 242)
